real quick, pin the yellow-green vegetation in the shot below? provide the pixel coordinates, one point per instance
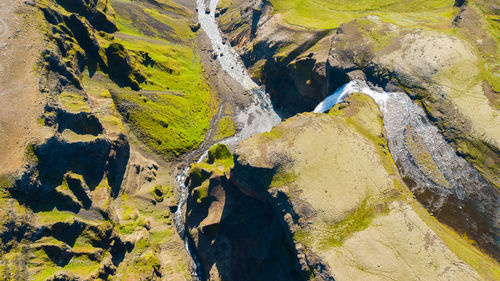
(336, 233)
(6, 181)
(144, 261)
(73, 102)
(53, 216)
(161, 236)
(160, 192)
(360, 116)
(490, 66)
(130, 218)
(224, 4)
(219, 153)
(30, 154)
(172, 114)
(283, 177)
(333, 235)
(327, 14)
(220, 161)
(225, 128)
(200, 193)
(82, 266)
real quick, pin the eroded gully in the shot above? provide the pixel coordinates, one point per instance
(447, 185)
(257, 118)
(454, 189)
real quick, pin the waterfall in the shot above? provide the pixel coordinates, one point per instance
(447, 177)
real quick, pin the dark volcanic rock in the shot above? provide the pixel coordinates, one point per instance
(121, 68)
(87, 9)
(237, 235)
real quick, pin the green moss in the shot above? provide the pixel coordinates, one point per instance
(160, 192)
(224, 4)
(225, 128)
(303, 236)
(180, 25)
(283, 177)
(219, 152)
(161, 236)
(275, 133)
(200, 194)
(54, 216)
(45, 271)
(30, 154)
(198, 173)
(6, 181)
(380, 37)
(82, 266)
(130, 227)
(172, 115)
(73, 102)
(122, 68)
(357, 221)
(327, 14)
(170, 122)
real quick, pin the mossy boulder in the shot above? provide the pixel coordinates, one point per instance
(219, 152)
(121, 68)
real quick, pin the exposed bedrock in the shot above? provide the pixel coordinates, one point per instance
(74, 32)
(237, 226)
(89, 9)
(456, 193)
(56, 161)
(289, 62)
(428, 66)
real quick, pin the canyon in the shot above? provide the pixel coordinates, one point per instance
(249, 140)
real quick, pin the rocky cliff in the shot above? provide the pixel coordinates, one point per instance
(93, 201)
(338, 197)
(456, 44)
(107, 102)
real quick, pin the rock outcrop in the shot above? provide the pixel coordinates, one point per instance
(426, 63)
(88, 205)
(236, 234)
(285, 59)
(337, 195)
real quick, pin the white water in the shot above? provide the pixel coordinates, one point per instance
(257, 118)
(355, 86)
(260, 116)
(404, 118)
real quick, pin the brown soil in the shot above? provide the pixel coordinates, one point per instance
(20, 99)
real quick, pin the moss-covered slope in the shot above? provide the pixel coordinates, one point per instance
(89, 203)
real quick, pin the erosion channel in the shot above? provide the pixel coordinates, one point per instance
(257, 118)
(447, 186)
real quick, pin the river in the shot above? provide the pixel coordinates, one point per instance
(446, 178)
(444, 182)
(258, 117)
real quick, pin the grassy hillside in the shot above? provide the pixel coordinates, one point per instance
(326, 14)
(172, 112)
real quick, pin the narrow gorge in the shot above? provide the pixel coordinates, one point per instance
(249, 140)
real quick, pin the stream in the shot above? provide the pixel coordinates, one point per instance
(443, 178)
(257, 118)
(444, 182)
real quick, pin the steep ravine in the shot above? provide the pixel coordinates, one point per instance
(449, 187)
(257, 118)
